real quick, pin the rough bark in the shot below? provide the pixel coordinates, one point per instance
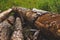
(48, 23)
(11, 20)
(17, 34)
(5, 14)
(5, 29)
(0, 11)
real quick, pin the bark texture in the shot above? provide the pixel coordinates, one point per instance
(5, 14)
(5, 29)
(17, 34)
(47, 22)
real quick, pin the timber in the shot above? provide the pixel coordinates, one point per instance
(5, 29)
(5, 14)
(11, 20)
(17, 34)
(48, 23)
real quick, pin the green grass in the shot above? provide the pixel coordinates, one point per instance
(49, 5)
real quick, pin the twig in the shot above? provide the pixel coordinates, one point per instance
(36, 35)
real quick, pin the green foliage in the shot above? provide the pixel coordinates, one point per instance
(50, 5)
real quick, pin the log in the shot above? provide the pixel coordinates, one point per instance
(5, 29)
(0, 11)
(11, 20)
(5, 14)
(48, 23)
(17, 34)
(40, 12)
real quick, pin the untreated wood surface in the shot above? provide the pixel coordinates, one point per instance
(17, 34)
(5, 30)
(5, 14)
(48, 21)
(12, 28)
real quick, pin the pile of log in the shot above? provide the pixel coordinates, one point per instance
(29, 24)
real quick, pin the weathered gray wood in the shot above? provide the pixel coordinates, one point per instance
(17, 34)
(5, 14)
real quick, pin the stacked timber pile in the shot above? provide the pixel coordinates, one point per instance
(29, 24)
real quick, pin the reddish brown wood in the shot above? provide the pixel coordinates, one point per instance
(48, 23)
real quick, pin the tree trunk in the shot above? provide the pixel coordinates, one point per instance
(5, 14)
(5, 29)
(48, 23)
(17, 34)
